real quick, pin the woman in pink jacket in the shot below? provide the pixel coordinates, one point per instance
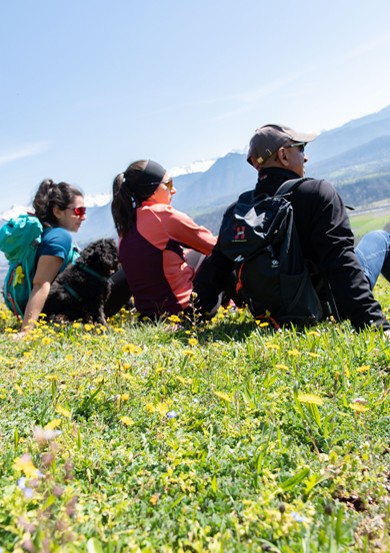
(153, 236)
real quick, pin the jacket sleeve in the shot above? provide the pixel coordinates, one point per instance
(184, 230)
(333, 243)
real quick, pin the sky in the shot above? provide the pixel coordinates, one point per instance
(88, 86)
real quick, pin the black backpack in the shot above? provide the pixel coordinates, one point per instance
(259, 235)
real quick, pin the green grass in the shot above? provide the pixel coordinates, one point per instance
(365, 222)
(227, 436)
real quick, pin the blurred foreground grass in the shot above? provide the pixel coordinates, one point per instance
(227, 436)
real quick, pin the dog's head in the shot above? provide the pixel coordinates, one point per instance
(101, 256)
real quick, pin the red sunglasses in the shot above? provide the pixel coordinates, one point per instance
(79, 211)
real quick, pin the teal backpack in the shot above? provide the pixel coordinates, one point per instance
(19, 240)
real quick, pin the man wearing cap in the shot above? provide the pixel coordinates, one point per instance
(327, 242)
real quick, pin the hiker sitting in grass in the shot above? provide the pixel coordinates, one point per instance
(152, 236)
(278, 154)
(60, 209)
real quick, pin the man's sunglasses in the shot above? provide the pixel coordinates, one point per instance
(299, 145)
(78, 211)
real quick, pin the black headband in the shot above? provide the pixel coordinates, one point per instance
(142, 183)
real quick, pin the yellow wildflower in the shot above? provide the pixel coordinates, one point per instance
(174, 319)
(25, 464)
(62, 411)
(162, 408)
(281, 366)
(223, 396)
(294, 352)
(188, 352)
(53, 424)
(127, 420)
(131, 348)
(19, 389)
(124, 397)
(76, 325)
(363, 368)
(184, 380)
(358, 407)
(46, 341)
(192, 342)
(310, 398)
(272, 346)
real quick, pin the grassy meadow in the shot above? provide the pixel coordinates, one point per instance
(222, 437)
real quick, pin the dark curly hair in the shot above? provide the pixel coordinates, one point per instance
(50, 195)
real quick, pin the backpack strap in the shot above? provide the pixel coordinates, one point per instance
(289, 186)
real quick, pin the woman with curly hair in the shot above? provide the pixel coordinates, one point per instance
(61, 210)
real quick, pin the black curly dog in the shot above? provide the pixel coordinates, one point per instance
(81, 291)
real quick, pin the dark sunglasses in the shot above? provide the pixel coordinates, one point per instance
(168, 183)
(79, 211)
(300, 145)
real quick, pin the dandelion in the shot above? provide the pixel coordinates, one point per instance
(174, 319)
(358, 408)
(52, 424)
(363, 368)
(162, 408)
(188, 352)
(311, 399)
(132, 349)
(281, 366)
(46, 341)
(150, 408)
(68, 357)
(262, 324)
(312, 354)
(25, 464)
(52, 377)
(223, 396)
(272, 346)
(126, 366)
(76, 325)
(62, 411)
(294, 353)
(88, 327)
(155, 497)
(127, 421)
(19, 389)
(184, 381)
(124, 397)
(192, 342)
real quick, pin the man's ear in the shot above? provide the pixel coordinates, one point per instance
(283, 156)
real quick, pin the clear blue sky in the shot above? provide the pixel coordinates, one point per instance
(87, 86)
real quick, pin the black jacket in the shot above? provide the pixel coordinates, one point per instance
(327, 243)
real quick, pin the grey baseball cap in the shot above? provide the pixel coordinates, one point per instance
(268, 139)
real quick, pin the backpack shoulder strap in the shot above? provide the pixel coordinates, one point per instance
(289, 186)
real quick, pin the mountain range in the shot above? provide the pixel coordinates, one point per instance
(354, 157)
